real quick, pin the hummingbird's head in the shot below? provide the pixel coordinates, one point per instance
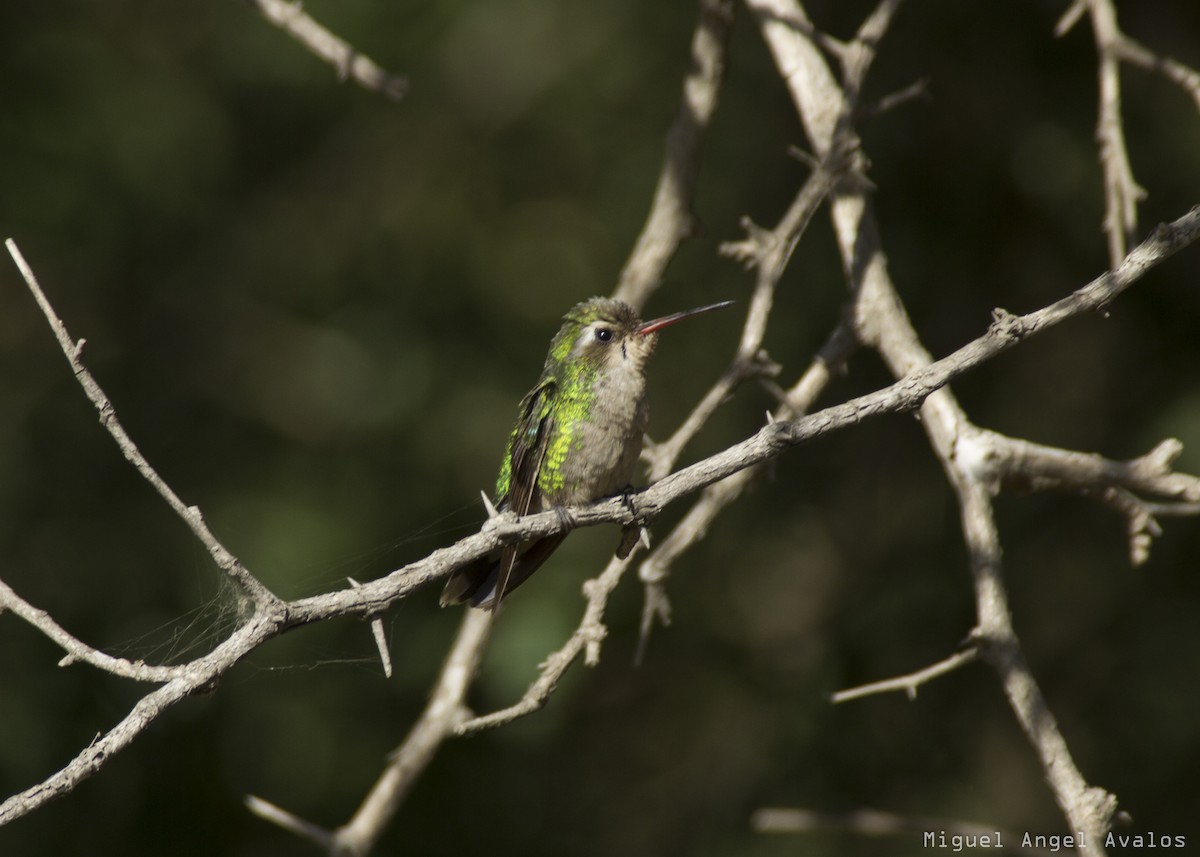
(602, 332)
(606, 332)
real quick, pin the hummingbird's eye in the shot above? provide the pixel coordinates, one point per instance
(604, 334)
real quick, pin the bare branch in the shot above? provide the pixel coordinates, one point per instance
(190, 515)
(880, 321)
(1070, 18)
(916, 91)
(280, 817)
(943, 417)
(999, 461)
(1121, 191)
(274, 617)
(1088, 809)
(585, 640)
(716, 498)
(76, 649)
(348, 62)
(909, 683)
(445, 711)
(671, 219)
(197, 676)
(769, 252)
(1135, 53)
(1036, 466)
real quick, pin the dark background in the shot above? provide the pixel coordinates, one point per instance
(315, 311)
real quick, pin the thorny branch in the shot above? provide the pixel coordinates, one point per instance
(1122, 193)
(1088, 809)
(768, 252)
(841, 162)
(1140, 489)
(190, 515)
(371, 598)
(882, 323)
(669, 223)
(584, 640)
(716, 498)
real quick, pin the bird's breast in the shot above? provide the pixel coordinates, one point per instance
(602, 440)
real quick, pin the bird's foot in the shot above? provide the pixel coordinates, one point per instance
(635, 532)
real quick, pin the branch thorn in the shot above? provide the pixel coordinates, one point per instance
(487, 504)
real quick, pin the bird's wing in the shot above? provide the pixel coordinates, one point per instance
(530, 439)
(485, 580)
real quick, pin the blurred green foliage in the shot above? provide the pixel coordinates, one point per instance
(316, 310)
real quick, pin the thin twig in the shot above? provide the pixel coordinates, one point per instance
(671, 220)
(314, 833)
(446, 709)
(769, 252)
(1070, 18)
(289, 16)
(190, 515)
(1135, 53)
(405, 765)
(694, 525)
(908, 683)
(79, 651)
(1121, 191)
(585, 640)
(916, 91)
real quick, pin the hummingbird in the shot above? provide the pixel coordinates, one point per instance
(577, 436)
